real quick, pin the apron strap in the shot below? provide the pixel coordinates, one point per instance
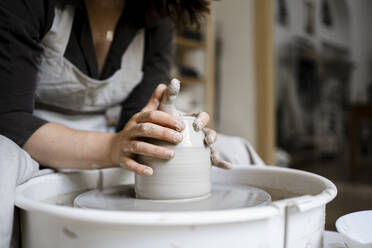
(134, 55)
(58, 36)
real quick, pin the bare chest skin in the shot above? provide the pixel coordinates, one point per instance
(103, 18)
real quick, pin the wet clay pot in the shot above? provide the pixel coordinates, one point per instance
(186, 176)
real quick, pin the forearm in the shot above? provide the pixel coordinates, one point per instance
(58, 146)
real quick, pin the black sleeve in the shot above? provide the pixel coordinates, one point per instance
(23, 23)
(157, 62)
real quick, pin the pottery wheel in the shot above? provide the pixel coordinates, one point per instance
(223, 196)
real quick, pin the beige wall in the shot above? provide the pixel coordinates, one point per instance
(237, 93)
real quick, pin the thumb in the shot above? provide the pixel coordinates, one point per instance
(154, 101)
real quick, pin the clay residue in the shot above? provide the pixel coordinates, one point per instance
(168, 101)
(66, 199)
(70, 234)
(279, 194)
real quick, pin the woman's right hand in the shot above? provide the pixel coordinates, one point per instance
(149, 123)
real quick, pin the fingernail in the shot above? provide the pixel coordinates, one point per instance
(170, 154)
(177, 137)
(180, 126)
(147, 172)
(197, 125)
(209, 140)
(228, 165)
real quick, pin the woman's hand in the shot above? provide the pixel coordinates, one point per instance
(149, 123)
(200, 123)
(201, 120)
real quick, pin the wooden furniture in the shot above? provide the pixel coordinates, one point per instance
(358, 113)
(207, 46)
(265, 80)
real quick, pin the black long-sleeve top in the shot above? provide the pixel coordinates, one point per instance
(24, 23)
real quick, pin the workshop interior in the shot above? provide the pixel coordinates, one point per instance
(287, 85)
(317, 80)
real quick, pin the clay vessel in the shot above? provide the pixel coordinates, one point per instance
(186, 176)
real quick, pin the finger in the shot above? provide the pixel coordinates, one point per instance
(154, 101)
(174, 87)
(210, 136)
(150, 130)
(217, 161)
(146, 149)
(132, 165)
(222, 164)
(161, 118)
(201, 121)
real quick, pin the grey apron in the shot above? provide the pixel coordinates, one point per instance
(61, 85)
(65, 88)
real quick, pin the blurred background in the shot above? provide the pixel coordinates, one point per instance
(294, 78)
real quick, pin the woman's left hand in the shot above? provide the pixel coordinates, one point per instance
(167, 104)
(200, 123)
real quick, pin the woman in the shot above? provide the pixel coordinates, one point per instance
(81, 61)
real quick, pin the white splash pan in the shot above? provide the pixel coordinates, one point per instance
(294, 219)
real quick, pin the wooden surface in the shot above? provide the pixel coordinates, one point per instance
(183, 42)
(191, 80)
(265, 80)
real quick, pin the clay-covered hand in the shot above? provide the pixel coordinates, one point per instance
(149, 123)
(167, 105)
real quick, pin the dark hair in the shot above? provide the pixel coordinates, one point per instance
(180, 11)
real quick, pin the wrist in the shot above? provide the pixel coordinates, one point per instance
(113, 151)
(99, 148)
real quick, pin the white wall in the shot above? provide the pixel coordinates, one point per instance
(237, 101)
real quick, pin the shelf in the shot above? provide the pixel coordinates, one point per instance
(190, 80)
(186, 48)
(189, 43)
